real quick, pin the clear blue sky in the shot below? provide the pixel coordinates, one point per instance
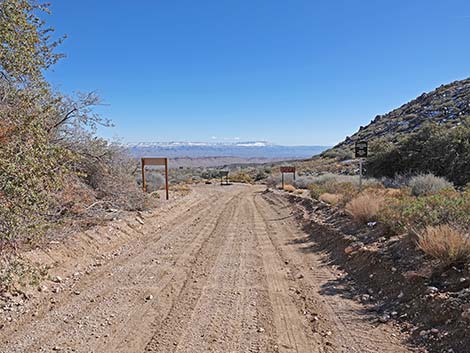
(290, 72)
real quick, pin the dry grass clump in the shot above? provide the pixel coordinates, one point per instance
(332, 199)
(365, 207)
(183, 188)
(445, 243)
(289, 188)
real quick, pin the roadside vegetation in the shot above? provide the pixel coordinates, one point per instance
(53, 167)
(429, 210)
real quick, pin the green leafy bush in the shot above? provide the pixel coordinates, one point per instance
(436, 149)
(409, 212)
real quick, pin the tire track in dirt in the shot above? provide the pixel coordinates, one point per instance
(292, 331)
(223, 271)
(100, 292)
(351, 330)
(229, 316)
(187, 290)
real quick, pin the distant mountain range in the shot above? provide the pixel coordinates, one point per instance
(249, 150)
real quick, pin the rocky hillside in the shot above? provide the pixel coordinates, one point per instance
(448, 104)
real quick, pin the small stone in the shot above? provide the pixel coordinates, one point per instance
(300, 276)
(77, 292)
(431, 290)
(423, 333)
(401, 295)
(394, 269)
(434, 331)
(57, 279)
(42, 288)
(56, 290)
(260, 329)
(466, 315)
(149, 297)
(365, 298)
(384, 318)
(56, 348)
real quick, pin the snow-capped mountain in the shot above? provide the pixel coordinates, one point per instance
(242, 149)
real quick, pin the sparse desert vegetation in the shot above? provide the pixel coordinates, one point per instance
(447, 243)
(53, 166)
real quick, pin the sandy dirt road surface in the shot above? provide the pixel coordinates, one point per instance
(222, 270)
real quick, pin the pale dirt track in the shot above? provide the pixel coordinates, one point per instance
(226, 273)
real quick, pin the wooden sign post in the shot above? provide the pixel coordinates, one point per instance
(361, 150)
(287, 170)
(224, 174)
(155, 161)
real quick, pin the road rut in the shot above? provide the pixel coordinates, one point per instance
(224, 271)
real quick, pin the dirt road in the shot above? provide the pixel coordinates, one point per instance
(222, 270)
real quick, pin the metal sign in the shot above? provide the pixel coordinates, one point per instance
(155, 161)
(361, 149)
(224, 174)
(287, 169)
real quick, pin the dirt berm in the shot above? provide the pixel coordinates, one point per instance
(390, 276)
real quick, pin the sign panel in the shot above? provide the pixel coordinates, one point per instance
(155, 161)
(361, 149)
(287, 169)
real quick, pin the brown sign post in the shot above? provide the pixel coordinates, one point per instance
(287, 170)
(224, 174)
(155, 161)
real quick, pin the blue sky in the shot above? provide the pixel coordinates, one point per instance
(297, 72)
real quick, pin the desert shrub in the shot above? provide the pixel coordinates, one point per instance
(445, 243)
(329, 180)
(303, 182)
(48, 139)
(272, 181)
(154, 180)
(316, 191)
(260, 175)
(338, 153)
(289, 188)
(365, 208)
(396, 182)
(427, 184)
(241, 177)
(210, 174)
(433, 149)
(332, 199)
(405, 211)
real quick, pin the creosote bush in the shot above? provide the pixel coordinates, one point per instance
(445, 243)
